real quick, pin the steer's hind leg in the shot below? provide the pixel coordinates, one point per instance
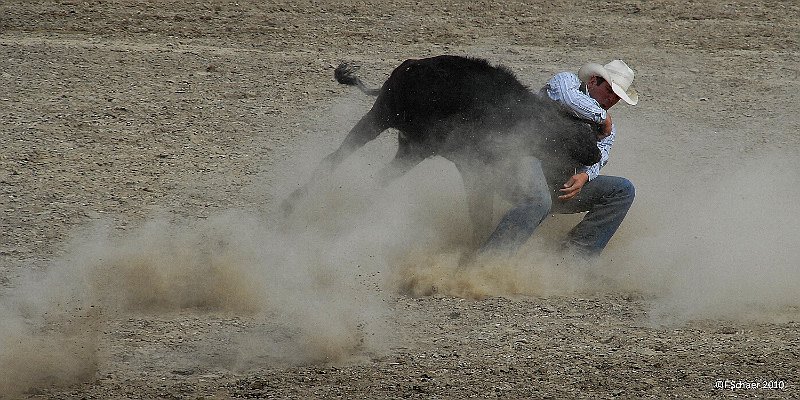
(367, 129)
(480, 201)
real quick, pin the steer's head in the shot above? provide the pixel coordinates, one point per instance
(563, 140)
(551, 133)
(579, 142)
(568, 142)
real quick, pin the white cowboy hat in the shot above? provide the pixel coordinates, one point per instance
(618, 74)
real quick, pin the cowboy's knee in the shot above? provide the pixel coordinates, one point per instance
(534, 210)
(542, 203)
(625, 189)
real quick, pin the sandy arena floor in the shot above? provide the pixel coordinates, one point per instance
(145, 147)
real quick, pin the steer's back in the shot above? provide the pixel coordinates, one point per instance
(421, 94)
(451, 104)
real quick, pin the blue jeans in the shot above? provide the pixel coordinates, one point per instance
(606, 199)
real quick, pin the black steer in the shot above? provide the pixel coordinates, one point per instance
(472, 113)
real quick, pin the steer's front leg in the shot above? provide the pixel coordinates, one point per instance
(480, 201)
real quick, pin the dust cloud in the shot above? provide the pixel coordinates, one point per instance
(229, 263)
(724, 249)
(317, 280)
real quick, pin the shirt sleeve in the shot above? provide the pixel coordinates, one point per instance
(565, 88)
(605, 148)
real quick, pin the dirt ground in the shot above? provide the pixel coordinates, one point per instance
(145, 146)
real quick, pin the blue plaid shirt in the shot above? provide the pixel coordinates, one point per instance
(565, 88)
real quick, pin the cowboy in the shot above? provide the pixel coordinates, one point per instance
(606, 199)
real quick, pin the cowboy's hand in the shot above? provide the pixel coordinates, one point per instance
(573, 186)
(605, 128)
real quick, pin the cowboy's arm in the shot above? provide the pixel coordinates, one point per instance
(606, 128)
(573, 186)
(605, 149)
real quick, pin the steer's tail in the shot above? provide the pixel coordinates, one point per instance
(346, 74)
